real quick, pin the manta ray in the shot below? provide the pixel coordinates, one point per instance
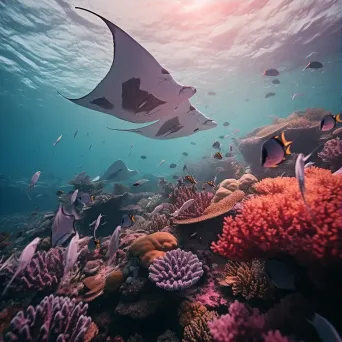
(137, 88)
(117, 172)
(188, 120)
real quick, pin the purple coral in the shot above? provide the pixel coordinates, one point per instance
(176, 270)
(332, 153)
(182, 194)
(44, 271)
(54, 319)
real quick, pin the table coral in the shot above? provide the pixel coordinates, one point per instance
(248, 279)
(277, 221)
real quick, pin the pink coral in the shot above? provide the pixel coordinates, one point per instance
(182, 194)
(241, 324)
(332, 153)
(277, 221)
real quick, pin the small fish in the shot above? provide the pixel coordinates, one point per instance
(157, 209)
(34, 180)
(329, 122)
(130, 149)
(193, 143)
(226, 124)
(226, 136)
(275, 150)
(296, 94)
(143, 157)
(175, 177)
(280, 274)
(185, 168)
(184, 207)
(127, 221)
(85, 198)
(87, 134)
(74, 196)
(75, 133)
(221, 137)
(218, 155)
(185, 154)
(91, 145)
(311, 54)
(71, 254)
(276, 81)
(140, 182)
(212, 93)
(325, 329)
(309, 164)
(271, 72)
(173, 165)
(58, 140)
(231, 148)
(39, 195)
(95, 179)
(113, 244)
(270, 94)
(190, 179)
(24, 259)
(162, 162)
(208, 185)
(314, 65)
(216, 145)
(97, 223)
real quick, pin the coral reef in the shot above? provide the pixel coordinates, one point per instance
(54, 319)
(248, 279)
(332, 154)
(216, 209)
(278, 221)
(149, 247)
(182, 194)
(83, 183)
(176, 270)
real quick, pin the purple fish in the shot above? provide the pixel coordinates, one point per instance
(97, 223)
(62, 226)
(33, 182)
(74, 196)
(85, 198)
(25, 258)
(75, 133)
(71, 254)
(113, 244)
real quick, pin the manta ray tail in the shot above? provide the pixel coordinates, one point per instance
(136, 130)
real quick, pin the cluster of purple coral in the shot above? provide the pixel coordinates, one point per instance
(242, 323)
(182, 194)
(54, 319)
(332, 153)
(176, 270)
(44, 271)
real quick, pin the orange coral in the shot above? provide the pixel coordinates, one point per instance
(152, 246)
(189, 311)
(277, 221)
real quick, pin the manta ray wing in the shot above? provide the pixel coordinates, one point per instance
(136, 88)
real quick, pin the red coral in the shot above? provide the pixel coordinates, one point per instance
(277, 220)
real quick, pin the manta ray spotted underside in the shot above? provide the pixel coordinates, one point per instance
(117, 172)
(137, 88)
(188, 120)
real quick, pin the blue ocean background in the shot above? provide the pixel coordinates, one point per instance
(48, 47)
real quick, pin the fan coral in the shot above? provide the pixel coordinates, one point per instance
(216, 209)
(44, 271)
(279, 222)
(241, 324)
(54, 319)
(248, 278)
(149, 247)
(198, 329)
(176, 270)
(332, 153)
(183, 194)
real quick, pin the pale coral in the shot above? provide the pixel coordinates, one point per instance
(226, 187)
(246, 182)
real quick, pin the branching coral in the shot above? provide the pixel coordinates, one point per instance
(332, 153)
(278, 221)
(54, 319)
(157, 223)
(248, 279)
(176, 270)
(189, 311)
(183, 194)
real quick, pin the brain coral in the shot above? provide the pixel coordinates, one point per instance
(277, 220)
